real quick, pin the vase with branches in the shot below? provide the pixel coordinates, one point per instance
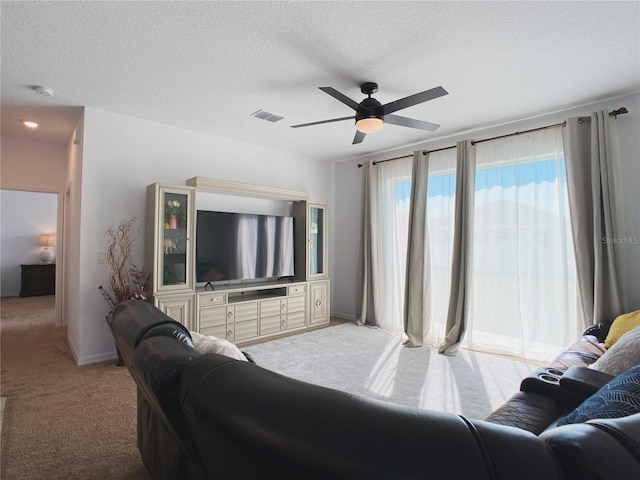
(127, 281)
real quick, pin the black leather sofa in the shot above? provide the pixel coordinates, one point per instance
(208, 416)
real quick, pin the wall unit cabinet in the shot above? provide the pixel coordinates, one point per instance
(311, 257)
(170, 229)
(243, 314)
(319, 302)
(311, 240)
(238, 313)
(180, 307)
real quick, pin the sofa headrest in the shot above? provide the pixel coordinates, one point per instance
(606, 448)
(267, 425)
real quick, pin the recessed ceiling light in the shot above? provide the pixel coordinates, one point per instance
(29, 124)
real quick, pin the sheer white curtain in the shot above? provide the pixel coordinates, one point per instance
(387, 188)
(523, 275)
(440, 219)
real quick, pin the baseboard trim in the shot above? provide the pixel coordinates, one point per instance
(88, 360)
(346, 316)
(101, 357)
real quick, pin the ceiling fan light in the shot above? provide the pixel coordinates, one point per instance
(369, 124)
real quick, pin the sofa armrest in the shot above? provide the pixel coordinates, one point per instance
(583, 381)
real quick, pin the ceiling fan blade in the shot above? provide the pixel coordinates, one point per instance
(410, 122)
(414, 99)
(342, 98)
(359, 137)
(323, 121)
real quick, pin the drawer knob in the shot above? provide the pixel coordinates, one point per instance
(318, 303)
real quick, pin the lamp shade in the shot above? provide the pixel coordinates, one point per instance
(369, 124)
(47, 240)
(48, 255)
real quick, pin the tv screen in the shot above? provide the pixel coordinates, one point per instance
(242, 246)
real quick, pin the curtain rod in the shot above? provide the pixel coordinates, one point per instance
(614, 113)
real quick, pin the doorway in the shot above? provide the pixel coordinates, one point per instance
(29, 240)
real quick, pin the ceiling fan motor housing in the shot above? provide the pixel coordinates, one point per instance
(372, 108)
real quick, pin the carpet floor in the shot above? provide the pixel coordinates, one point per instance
(61, 421)
(371, 362)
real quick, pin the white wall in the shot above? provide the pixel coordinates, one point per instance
(348, 182)
(122, 155)
(35, 166)
(40, 167)
(25, 215)
(73, 231)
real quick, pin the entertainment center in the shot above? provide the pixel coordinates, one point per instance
(269, 281)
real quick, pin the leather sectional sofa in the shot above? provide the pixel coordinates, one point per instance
(203, 416)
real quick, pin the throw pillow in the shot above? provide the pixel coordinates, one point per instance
(623, 355)
(621, 325)
(209, 344)
(618, 398)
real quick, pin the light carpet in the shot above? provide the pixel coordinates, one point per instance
(373, 363)
(61, 421)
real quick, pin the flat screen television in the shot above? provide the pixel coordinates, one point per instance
(242, 246)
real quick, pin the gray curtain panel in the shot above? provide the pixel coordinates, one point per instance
(417, 304)
(368, 308)
(461, 263)
(594, 188)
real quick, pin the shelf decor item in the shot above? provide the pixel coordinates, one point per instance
(48, 255)
(172, 210)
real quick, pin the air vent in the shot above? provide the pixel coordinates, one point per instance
(269, 117)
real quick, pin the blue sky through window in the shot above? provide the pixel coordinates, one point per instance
(504, 177)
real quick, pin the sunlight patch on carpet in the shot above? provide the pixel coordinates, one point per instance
(373, 363)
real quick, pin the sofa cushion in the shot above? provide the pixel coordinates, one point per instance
(618, 398)
(624, 354)
(621, 325)
(210, 344)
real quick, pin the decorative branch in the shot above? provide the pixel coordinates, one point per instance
(127, 281)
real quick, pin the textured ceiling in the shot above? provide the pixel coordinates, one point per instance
(208, 66)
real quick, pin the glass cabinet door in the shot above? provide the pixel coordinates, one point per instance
(317, 225)
(174, 239)
(174, 217)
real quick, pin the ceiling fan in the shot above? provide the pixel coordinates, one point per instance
(371, 114)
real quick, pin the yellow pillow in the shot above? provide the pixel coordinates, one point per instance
(621, 325)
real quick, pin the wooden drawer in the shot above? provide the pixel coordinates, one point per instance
(211, 299)
(219, 331)
(296, 304)
(296, 320)
(210, 317)
(243, 312)
(245, 330)
(297, 290)
(270, 324)
(271, 307)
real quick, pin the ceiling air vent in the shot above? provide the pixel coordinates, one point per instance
(269, 117)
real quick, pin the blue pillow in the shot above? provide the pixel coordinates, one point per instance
(618, 398)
